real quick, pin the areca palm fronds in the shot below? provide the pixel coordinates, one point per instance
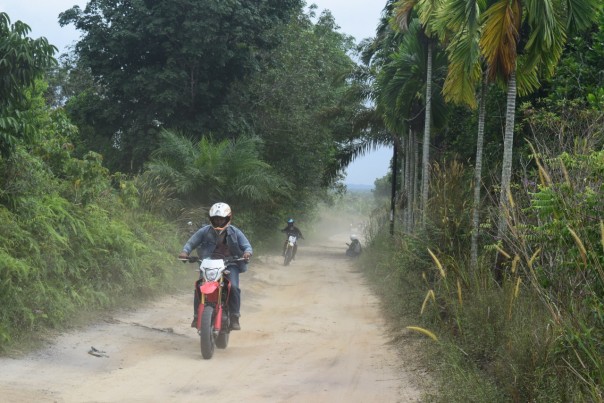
(528, 37)
(521, 41)
(401, 84)
(426, 11)
(458, 22)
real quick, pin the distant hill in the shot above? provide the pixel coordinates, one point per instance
(359, 188)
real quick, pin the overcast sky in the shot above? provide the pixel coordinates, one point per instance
(358, 18)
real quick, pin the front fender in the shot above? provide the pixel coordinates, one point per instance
(209, 287)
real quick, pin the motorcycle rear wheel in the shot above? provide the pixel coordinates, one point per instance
(206, 337)
(222, 341)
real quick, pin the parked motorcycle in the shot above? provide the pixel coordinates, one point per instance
(289, 249)
(213, 317)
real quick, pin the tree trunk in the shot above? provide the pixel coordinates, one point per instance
(410, 182)
(393, 187)
(478, 172)
(416, 183)
(405, 183)
(426, 142)
(508, 145)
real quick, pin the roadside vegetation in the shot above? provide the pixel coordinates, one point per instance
(488, 235)
(96, 198)
(526, 326)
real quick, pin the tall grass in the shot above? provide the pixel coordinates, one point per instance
(536, 332)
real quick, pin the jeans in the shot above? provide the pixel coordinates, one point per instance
(234, 298)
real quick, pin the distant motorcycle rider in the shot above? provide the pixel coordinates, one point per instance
(291, 229)
(354, 247)
(224, 239)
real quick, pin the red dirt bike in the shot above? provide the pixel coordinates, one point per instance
(213, 318)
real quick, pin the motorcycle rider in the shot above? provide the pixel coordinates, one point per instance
(222, 238)
(354, 247)
(291, 229)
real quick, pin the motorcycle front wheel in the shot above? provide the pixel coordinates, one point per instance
(206, 337)
(288, 255)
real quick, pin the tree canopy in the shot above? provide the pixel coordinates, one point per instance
(22, 60)
(168, 64)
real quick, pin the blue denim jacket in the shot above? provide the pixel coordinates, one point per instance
(205, 240)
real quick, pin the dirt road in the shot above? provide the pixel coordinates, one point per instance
(310, 333)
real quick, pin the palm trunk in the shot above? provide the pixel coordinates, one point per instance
(405, 183)
(393, 188)
(416, 181)
(410, 182)
(508, 145)
(426, 142)
(478, 172)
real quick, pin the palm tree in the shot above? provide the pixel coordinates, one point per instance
(487, 47)
(460, 21)
(206, 171)
(400, 86)
(520, 41)
(368, 127)
(426, 10)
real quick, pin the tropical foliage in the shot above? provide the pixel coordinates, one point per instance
(82, 232)
(158, 64)
(22, 60)
(71, 239)
(521, 332)
(162, 110)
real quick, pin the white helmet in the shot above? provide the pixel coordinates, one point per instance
(220, 216)
(353, 237)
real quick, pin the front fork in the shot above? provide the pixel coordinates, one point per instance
(202, 303)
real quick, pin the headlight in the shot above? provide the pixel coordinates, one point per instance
(211, 274)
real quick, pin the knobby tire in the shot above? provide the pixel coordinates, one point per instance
(288, 255)
(205, 332)
(222, 341)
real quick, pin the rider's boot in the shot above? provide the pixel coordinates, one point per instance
(235, 323)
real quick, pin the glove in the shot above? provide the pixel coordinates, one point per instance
(247, 255)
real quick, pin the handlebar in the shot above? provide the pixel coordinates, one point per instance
(197, 259)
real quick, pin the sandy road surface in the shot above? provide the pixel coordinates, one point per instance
(309, 334)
